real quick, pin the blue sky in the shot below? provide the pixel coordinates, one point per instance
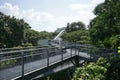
(50, 14)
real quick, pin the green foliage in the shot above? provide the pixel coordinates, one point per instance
(45, 35)
(76, 32)
(11, 31)
(112, 64)
(53, 34)
(61, 75)
(31, 36)
(75, 26)
(80, 36)
(90, 71)
(7, 63)
(28, 44)
(105, 27)
(104, 69)
(15, 32)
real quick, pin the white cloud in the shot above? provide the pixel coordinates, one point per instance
(78, 6)
(8, 9)
(97, 1)
(32, 15)
(36, 19)
(83, 12)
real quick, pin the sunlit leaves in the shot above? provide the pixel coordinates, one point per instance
(104, 69)
(90, 71)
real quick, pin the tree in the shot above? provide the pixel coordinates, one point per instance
(90, 71)
(15, 32)
(45, 35)
(112, 64)
(104, 69)
(68, 27)
(75, 26)
(11, 31)
(76, 32)
(105, 27)
(32, 36)
(80, 37)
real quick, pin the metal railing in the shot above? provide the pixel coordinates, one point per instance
(20, 62)
(16, 63)
(18, 48)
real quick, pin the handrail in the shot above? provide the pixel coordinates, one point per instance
(27, 50)
(19, 48)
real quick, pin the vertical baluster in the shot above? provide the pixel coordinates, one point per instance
(78, 50)
(75, 50)
(22, 65)
(61, 54)
(60, 49)
(71, 52)
(48, 56)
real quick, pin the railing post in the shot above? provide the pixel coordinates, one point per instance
(75, 50)
(60, 47)
(56, 51)
(22, 65)
(78, 51)
(48, 56)
(71, 52)
(61, 54)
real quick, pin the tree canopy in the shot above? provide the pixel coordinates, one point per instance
(105, 27)
(76, 32)
(74, 26)
(11, 31)
(80, 37)
(104, 31)
(14, 32)
(104, 69)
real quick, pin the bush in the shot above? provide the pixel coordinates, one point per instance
(90, 71)
(104, 69)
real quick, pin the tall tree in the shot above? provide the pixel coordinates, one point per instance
(74, 26)
(80, 37)
(105, 27)
(11, 31)
(76, 32)
(32, 36)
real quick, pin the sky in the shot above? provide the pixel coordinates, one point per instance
(48, 15)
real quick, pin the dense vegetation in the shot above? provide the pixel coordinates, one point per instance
(105, 27)
(16, 32)
(103, 69)
(61, 75)
(11, 31)
(32, 36)
(76, 32)
(75, 26)
(104, 32)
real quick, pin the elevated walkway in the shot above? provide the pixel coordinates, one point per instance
(39, 62)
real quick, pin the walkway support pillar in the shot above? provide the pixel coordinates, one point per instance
(76, 61)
